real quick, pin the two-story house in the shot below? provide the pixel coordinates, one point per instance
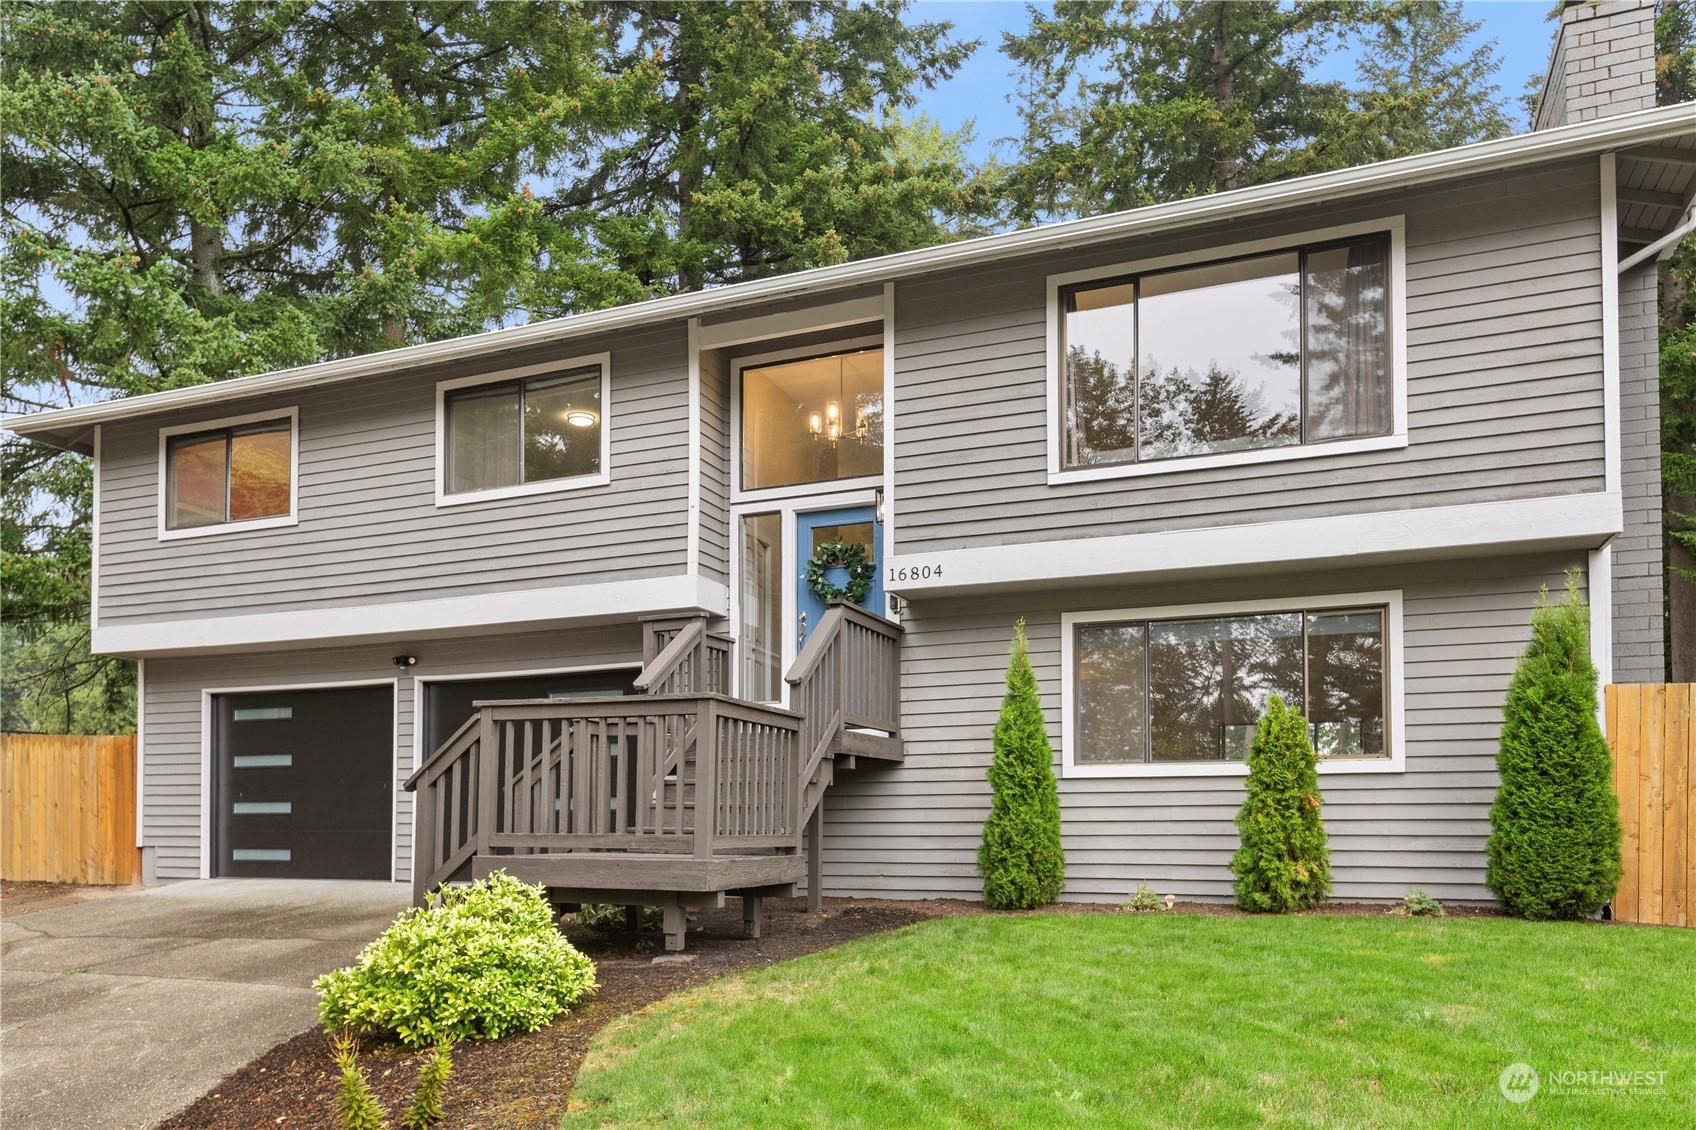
(1327, 438)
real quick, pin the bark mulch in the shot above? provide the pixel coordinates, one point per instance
(523, 1081)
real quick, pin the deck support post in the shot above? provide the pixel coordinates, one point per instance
(753, 915)
(676, 923)
(632, 917)
(815, 859)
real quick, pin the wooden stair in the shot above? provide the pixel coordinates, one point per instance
(605, 800)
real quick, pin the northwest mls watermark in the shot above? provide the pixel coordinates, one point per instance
(1520, 1082)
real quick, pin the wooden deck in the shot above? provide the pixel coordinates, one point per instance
(606, 799)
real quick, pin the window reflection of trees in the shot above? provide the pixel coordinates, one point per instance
(1193, 690)
(1327, 377)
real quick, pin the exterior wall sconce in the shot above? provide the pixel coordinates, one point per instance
(403, 662)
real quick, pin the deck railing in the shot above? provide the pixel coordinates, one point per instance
(609, 774)
(681, 656)
(848, 674)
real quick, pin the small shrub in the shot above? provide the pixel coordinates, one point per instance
(1146, 899)
(1021, 860)
(356, 1106)
(610, 916)
(1417, 904)
(1283, 863)
(479, 962)
(1554, 841)
(426, 1107)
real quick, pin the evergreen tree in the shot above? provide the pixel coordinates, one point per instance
(1554, 848)
(1675, 71)
(1419, 87)
(1021, 860)
(1283, 863)
(1131, 103)
(764, 138)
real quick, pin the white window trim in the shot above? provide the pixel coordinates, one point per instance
(787, 509)
(546, 486)
(1394, 722)
(799, 490)
(1396, 227)
(292, 414)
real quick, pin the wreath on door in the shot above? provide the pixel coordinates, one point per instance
(850, 557)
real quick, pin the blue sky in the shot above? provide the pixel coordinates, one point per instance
(981, 90)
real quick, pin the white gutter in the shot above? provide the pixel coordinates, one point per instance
(1601, 134)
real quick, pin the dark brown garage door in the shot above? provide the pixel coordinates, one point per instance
(304, 783)
(448, 704)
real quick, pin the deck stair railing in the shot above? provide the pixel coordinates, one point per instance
(845, 681)
(609, 774)
(632, 774)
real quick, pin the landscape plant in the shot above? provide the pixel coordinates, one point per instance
(1283, 862)
(1418, 904)
(477, 963)
(357, 1106)
(1554, 849)
(1021, 859)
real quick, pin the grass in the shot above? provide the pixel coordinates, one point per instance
(1168, 1020)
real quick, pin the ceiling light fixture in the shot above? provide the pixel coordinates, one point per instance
(580, 417)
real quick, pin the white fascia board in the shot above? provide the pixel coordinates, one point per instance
(1422, 533)
(476, 614)
(71, 425)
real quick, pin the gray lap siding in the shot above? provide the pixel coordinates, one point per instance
(1504, 364)
(913, 830)
(369, 528)
(173, 742)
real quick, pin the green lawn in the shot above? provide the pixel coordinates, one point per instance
(1169, 1020)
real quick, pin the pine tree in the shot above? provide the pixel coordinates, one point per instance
(1283, 863)
(1554, 849)
(1021, 859)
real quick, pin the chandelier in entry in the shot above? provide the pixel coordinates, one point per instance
(828, 428)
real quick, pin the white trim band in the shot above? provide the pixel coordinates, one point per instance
(482, 613)
(1424, 533)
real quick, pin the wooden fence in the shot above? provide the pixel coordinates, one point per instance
(67, 809)
(1654, 744)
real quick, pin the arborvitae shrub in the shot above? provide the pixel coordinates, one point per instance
(1554, 841)
(1021, 860)
(1283, 863)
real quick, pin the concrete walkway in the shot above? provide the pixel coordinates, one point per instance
(118, 1013)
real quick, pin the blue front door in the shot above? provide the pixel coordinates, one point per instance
(855, 525)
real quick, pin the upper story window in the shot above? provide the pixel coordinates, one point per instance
(230, 474)
(1263, 351)
(541, 429)
(812, 420)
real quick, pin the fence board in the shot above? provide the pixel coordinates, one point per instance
(68, 805)
(1653, 739)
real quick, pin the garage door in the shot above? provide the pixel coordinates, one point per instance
(304, 782)
(448, 704)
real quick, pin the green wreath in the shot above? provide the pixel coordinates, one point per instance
(850, 557)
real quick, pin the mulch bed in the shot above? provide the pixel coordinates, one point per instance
(523, 1081)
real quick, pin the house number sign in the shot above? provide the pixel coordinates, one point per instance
(913, 573)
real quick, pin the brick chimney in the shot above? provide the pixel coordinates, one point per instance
(1604, 62)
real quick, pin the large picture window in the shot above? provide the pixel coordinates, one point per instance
(1263, 351)
(547, 428)
(813, 420)
(226, 475)
(1191, 689)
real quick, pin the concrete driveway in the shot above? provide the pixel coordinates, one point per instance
(118, 1013)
